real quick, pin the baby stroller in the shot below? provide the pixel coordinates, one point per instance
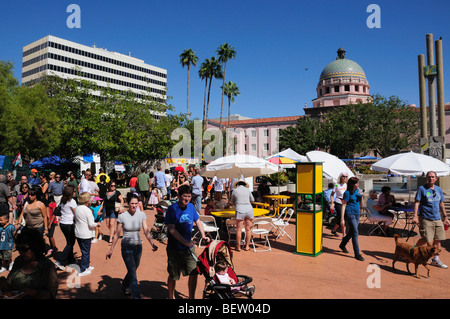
(216, 251)
(159, 229)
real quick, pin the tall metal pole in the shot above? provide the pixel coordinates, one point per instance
(440, 91)
(431, 89)
(422, 98)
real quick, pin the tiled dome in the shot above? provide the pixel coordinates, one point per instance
(342, 68)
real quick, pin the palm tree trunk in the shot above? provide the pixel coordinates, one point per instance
(223, 91)
(204, 101)
(189, 68)
(207, 103)
(229, 110)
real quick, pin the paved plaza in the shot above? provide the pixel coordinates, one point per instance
(278, 274)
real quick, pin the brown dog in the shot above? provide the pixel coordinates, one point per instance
(413, 254)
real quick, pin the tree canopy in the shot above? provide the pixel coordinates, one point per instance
(383, 126)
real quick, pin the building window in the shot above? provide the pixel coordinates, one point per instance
(356, 88)
(253, 133)
(347, 88)
(327, 90)
(254, 147)
(336, 89)
(266, 132)
(266, 147)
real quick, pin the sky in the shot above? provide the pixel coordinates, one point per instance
(281, 46)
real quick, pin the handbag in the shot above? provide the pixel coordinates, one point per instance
(57, 211)
(116, 207)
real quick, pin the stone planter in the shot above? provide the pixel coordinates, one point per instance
(291, 187)
(276, 190)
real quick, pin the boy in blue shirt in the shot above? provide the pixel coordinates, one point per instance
(179, 219)
(430, 215)
(7, 232)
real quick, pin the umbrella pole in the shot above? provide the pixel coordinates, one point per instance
(409, 186)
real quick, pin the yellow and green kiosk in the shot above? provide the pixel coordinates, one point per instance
(308, 208)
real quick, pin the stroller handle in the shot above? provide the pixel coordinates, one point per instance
(244, 282)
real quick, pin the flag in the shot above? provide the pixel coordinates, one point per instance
(18, 160)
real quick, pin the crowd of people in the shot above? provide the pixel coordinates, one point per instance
(38, 203)
(345, 199)
(31, 209)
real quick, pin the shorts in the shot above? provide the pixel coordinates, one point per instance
(6, 254)
(246, 214)
(431, 230)
(181, 261)
(110, 213)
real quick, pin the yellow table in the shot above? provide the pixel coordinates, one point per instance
(231, 213)
(277, 199)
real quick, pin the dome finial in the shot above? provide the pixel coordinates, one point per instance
(341, 53)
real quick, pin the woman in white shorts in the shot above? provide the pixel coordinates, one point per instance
(242, 198)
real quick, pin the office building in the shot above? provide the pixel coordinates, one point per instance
(69, 60)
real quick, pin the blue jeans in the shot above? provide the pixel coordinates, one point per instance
(197, 201)
(131, 255)
(85, 247)
(351, 222)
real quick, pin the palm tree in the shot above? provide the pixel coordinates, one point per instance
(203, 75)
(211, 68)
(225, 52)
(231, 90)
(188, 58)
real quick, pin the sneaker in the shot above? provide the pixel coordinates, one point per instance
(84, 273)
(342, 247)
(100, 237)
(95, 240)
(11, 266)
(61, 267)
(438, 263)
(3, 269)
(359, 257)
(335, 233)
(251, 290)
(91, 268)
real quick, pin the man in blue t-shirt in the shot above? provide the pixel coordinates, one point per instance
(429, 214)
(179, 219)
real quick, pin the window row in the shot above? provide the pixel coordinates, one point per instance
(93, 56)
(95, 77)
(92, 66)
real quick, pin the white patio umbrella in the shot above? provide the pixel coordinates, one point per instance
(332, 166)
(411, 163)
(237, 166)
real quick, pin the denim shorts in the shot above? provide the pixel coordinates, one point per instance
(110, 213)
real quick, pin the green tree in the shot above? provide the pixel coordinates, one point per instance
(383, 126)
(303, 137)
(225, 53)
(114, 125)
(188, 58)
(231, 90)
(29, 124)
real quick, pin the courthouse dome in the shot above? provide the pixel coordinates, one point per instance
(342, 67)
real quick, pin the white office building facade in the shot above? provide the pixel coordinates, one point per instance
(69, 60)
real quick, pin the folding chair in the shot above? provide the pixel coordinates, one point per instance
(282, 222)
(232, 230)
(376, 224)
(266, 223)
(209, 226)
